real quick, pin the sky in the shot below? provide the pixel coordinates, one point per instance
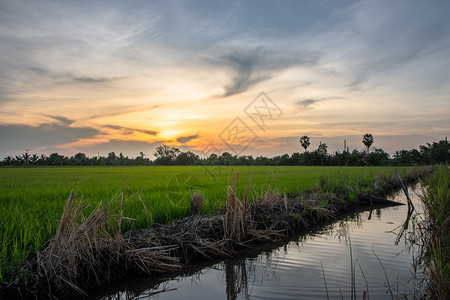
(246, 77)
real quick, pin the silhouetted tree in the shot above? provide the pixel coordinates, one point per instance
(111, 159)
(80, 158)
(212, 159)
(305, 141)
(166, 155)
(435, 153)
(34, 159)
(226, 159)
(186, 158)
(295, 159)
(43, 160)
(377, 158)
(263, 161)
(368, 141)
(322, 150)
(25, 158)
(55, 159)
(8, 161)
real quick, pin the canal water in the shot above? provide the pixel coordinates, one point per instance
(369, 252)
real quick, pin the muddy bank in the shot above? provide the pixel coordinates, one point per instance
(85, 254)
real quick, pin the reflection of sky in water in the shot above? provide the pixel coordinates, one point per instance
(294, 270)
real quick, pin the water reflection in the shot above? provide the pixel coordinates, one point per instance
(348, 250)
(405, 225)
(236, 279)
(142, 290)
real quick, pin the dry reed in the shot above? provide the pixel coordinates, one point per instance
(86, 249)
(235, 216)
(196, 203)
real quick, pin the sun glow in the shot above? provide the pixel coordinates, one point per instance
(169, 134)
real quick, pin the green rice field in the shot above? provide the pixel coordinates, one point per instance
(32, 199)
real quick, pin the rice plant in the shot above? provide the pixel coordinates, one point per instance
(436, 197)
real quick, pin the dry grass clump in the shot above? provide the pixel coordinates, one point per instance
(152, 259)
(276, 216)
(385, 183)
(85, 250)
(75, 249)
(196, 203)
(273, 198)
(191, 238)
(416, 173)
(235, 216)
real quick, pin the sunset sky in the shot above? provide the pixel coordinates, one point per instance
(128, 76)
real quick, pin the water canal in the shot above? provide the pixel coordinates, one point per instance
(367, 252)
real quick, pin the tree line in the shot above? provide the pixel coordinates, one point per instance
(434, 153)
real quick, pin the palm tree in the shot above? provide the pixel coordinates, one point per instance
(26, 157)
(368, 141)
(8, 160)
(322, 150)
(34, 158)
(305, 141)
(42, 159)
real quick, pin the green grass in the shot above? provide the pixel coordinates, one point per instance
(32, 199)
(437, 205)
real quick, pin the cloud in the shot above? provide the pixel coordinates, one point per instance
(130, 130)
(86, 79)
(185, 139)
(258, 64)
(244, 66)
(383, 43)
(307, 103)
(67, 77)
(61, 119)
(18, 137)
(118, 110)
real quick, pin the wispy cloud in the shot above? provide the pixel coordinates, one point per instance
(87, 79)
(185, 139)
(309, 103)
(131, 130)
(382, 42)
(245, 75)
(118, 110)
(61, 119)
(258, 64)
